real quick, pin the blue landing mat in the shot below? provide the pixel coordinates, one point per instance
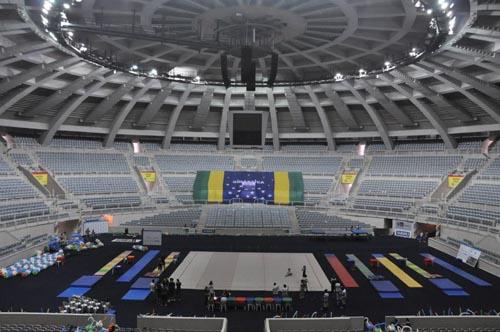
(136, 295)
(137, 267)
(142, 283)
(86, 281)
(74, 291)
(444, 283)
(391, 295)
(456, 293)
(384, 286)
(460, 272)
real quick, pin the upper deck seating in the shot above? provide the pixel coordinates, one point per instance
(93, 185)
(311, 165)
(192, 163)
(179, 184)
(413, 165)
(84, 163)
(397, 188)
(492, 170)
(5, 168)
(320, 186)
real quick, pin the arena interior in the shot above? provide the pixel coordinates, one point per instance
(249, 165)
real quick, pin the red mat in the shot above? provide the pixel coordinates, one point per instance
(344, 275)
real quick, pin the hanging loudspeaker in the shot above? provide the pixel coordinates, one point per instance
(274, 70)
(223, 69)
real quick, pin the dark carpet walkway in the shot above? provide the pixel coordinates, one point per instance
(40, 293)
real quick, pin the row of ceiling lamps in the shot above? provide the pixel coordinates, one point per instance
(445, 6)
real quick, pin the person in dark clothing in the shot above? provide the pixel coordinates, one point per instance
(207, 294)
(171, 290)
(159, 264)
(178, 289)
(164, 293)
(333, 281)
(304, 274)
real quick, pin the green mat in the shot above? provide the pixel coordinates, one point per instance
(415, 268)
(361, 267)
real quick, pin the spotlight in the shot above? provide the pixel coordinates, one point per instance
(66, 6)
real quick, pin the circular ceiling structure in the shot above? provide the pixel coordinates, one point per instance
(315, 41)
(49, 90)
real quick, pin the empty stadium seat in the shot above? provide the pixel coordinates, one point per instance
(310, 165)
(396, 188)
(413, 165)
(193, 163)
(178, 218)
(92, 185)
(248, 217)
(84, 163)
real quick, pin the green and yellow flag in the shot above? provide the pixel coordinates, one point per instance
(209, 187)
(275, 187)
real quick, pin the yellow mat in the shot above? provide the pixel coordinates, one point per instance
(168, 260)
(405, 278)
(106, 268)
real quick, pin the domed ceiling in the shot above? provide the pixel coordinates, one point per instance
(49, 88)
(314, 40)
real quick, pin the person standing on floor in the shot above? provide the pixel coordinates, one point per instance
(284, 291)
(178, 289)
(211, 289)
(304, 274)
(302, 292)
(326, 300)
(171, 290)
(276, 289)
(333, 281)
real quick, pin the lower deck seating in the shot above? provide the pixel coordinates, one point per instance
(98, 203)
(381, 205)
(23, 210)
(248, 217)
(491, 256)
(178, 218)
(23, 243)
(314, 221)
(474, 215)
(481, 193)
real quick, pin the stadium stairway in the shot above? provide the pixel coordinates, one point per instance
(203, 220)
(135, 174)
(360, 177)
(294, 222)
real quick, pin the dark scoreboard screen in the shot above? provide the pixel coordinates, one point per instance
(247, 129)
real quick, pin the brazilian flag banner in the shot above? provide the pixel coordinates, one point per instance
(254, 187)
